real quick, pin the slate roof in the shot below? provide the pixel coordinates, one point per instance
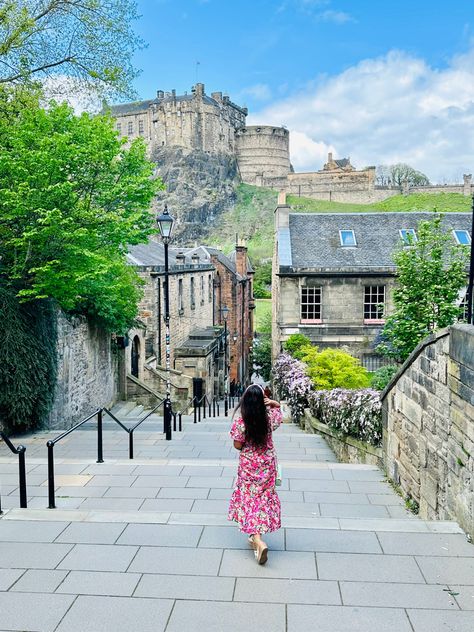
(232, 257)
(205, 253)
(313, 242)
(343, 162)
(142, 106)
(153, 254)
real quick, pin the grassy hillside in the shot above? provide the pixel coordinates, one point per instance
(252, 217)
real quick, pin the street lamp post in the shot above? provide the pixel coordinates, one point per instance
(225, 313)
(165, 222)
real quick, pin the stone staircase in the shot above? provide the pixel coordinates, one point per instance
(146, 542)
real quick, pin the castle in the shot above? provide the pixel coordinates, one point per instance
(216, 125)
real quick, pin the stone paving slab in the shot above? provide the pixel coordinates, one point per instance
(301, 591)
(33, 612)
(332, 541)
(346, 619)
(109, 584)
(161, 535)
(22, 531)
(186, 587)
(32, 554)
(443, 570)
(176, 561)
(367, 567)
(91, 533)
(284, 564)
(230, 538)
(464, 596)
(447, 545)
(104, 614)
(397, 596)
(441, 621)
(231, 617)
(8, 576)
(98, 557)
(40, 581)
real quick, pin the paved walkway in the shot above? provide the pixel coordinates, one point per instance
(145, 545)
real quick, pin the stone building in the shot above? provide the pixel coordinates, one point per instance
(233, 288)
(196, 344)
(263, 155)
(333, 275)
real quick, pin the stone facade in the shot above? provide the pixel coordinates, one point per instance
(429, 426)
(88, 371)
(353, 284)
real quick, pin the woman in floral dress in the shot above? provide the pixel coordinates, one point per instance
(255, 505)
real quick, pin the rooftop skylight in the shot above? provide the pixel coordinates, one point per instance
(462, 237)
(347, 238)
(408, 236)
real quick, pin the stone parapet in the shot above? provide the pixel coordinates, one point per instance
(428, 411)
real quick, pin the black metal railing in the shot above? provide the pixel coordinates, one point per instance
(52, 442)
(20, 450)
(130, 430)
(211, 406)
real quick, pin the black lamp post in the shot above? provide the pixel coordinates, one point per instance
(165, 223)
(469, 295)
(225, 313)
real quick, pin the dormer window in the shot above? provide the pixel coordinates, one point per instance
(408, 236)
(347, 238)
(462, 237)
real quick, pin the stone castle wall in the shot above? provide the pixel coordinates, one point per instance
(429, 426)
(88, 372)
(263, 155)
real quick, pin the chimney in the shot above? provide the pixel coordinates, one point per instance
(199, 90)
(467, 177)
(241, 258)
(180, 259)
(160, 94)
(217, 96)
(195, 259)
(282, 212)
(330, 157)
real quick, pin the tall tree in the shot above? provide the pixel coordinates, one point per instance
(89, 40)
(431, 272)
(402, 173)
(72, 198)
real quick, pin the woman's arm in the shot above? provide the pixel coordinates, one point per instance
(238, 445)
(271, 403)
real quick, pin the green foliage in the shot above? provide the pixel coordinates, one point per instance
(72, 199)
(262, 355)
(431, 272)
(382, 376)
(28, 366)
(399, 174)
(263, 316)
(445, 202)
(333, 368)
(262, 280)
(330, 368)
(91, 42)
(295, 343)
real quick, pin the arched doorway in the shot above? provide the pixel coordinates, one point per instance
(135, 356)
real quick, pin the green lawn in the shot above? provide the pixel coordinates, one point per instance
(263, 309)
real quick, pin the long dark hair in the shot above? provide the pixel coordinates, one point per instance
(254, 413)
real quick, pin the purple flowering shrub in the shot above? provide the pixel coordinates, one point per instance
(357, 413)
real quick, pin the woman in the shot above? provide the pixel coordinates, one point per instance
(255, 505)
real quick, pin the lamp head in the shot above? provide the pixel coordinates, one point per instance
(165, 222)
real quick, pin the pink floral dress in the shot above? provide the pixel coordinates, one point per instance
(255, 505)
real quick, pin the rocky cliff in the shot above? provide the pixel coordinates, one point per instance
(200, 186)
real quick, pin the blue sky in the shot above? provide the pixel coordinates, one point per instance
(380, 82)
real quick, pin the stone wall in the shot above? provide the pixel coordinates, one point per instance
(88, 372)
(263, 155)
(429, 426)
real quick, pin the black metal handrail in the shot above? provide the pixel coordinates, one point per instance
(211, 405)
(52, 442)
(20, 450)
(130, 430)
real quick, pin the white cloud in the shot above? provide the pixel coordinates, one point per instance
(76, 92)
(338, 17)
(259, 92)
(395, 108)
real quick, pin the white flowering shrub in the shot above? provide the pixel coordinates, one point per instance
(357, 413)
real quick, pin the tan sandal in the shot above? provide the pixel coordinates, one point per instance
(261, 553)
(252, 542)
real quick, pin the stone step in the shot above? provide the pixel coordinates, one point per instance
(289, 522)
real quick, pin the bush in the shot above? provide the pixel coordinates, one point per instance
(357, 413)
(382, 376)
(297, 342)
(333, 368)
(354, 412)
(262, 355)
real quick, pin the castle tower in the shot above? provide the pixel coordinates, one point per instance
(263, 155)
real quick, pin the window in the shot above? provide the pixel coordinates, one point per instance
(209, 289)
(202, 289)
(408, 236)
(374, 303)
(130, 127)
(462, 237)
(141, 128)
(310, 304)
(347, 238)
(192, 294)
(119, 128)
(180, 296)
(463, 309)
